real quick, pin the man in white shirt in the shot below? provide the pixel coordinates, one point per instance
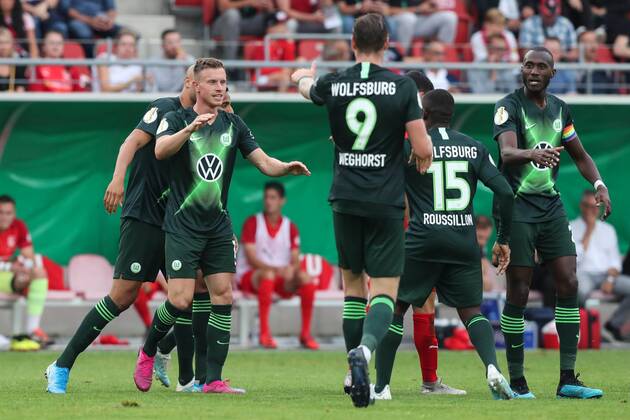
(599, 260)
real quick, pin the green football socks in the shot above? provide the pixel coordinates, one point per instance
(185, 347)
(164, 318)
(219, 327)
(568, 326)
(377, 321)
(386, 352)
(200, 313)
(513, 328)
(482, 336)
(353, 317)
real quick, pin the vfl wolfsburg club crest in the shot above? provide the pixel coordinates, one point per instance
(209, 167)
(226, 139)
(136, 267)
(557, 125)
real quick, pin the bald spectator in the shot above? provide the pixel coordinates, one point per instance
(549, 23)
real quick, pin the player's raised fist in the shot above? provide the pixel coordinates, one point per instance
(297, 168)
(300, 73)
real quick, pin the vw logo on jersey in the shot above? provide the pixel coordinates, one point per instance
(226, 139)
(210, 167)
(541, 145)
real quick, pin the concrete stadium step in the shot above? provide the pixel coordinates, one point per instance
(148, 26)
(142, 7)
(189, 26)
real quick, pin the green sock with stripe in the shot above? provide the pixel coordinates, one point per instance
(386, 353)
(168, 343)
(377, 321)
(185, 347)
(482, 336)
(219, 327)
(353, 317)
(568, 326)
(200, 313)
(513, 328)
(102, 314)
(164, 318)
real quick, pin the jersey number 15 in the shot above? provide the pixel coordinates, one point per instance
(447, 171)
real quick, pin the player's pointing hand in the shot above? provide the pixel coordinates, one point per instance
(297, 168)
(300, 73)
(200, 121)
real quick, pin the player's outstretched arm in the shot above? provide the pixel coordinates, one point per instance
(304, 78)
(273, 167)
(166, 146)
(512, 155)
(589, 171)
(421, 144)
(115, 190)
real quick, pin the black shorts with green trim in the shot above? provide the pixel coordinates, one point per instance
(457, 285)
(185, 254)
(551, 239)
(373, 245)
(140, 251)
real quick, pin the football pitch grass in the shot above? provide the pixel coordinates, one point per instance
(298, 384)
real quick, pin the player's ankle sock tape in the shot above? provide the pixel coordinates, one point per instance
(164, 318)
(182, 330)
(377, 321)
(219, 326)
(567, 316)
(36, 299)
(513, 328)
(200, 313)
(352, 323)
(482, 336)
(104, 312)
(386, 353)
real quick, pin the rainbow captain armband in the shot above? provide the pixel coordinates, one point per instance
(568, 133)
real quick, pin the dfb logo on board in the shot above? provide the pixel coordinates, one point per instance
(209, 167)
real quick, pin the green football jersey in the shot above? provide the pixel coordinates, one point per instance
(148, 177)
(537, 199)
(442, 222)
(368, 107)
(201, 171)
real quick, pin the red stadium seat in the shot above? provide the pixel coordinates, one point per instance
(464, 22)
(73, 50)
(310, 49)
(209, 11)
(90, 275)
(255, 51)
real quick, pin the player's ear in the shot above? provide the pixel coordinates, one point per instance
(553, 73)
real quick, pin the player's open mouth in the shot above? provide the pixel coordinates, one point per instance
(534, 82)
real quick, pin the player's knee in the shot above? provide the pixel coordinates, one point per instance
(222, 295)
(567, 285)
(180, 300)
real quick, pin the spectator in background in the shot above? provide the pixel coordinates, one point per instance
(121, 77)
(48, 14)
(434, 52)
(52, 77)
(601, 81)
(269, 262)
(484, 227)
(279, 50)
(171, 78)
(90, 18)
(240, 17)
(599, 260)
(351, 9)
(21, 25)
(12, 77)
(563, 82)
(494, 24)
(421, 19)
(311, 16)
(336, 50)
(508, 8)
(493, 81)
(549, 24)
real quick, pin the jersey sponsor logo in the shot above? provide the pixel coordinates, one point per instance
(501, 116)
(541, 145)
(466, 152)
(163, 126)
(362, 160)
(557, 125)
(210, 167)
(363, 88)
(226, 139)
(176, 265)
(448, 219)
(135, 267)
(151, 115)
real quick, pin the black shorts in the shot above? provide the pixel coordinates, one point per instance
(551, 239)
(185, 254)
(373, 245)
(140, 251)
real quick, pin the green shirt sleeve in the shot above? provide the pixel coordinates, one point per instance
(152, 117)
(412, 108)
(320, 90)
(505, 117)
(246, 142)
(568, 129)
(170, 124)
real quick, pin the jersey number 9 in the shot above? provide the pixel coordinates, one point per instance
(453, 182)
(363, 129)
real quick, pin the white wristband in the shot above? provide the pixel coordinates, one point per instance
(599, 183)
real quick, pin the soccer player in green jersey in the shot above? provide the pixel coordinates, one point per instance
(200, 144)
(532, 128)
(369, 110)
(441, 248)
(141, 245)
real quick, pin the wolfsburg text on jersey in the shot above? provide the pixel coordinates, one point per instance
(466, 152)
(363, 88)
(362, 160)
(448, 219)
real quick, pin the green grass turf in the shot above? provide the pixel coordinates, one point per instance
(296, 385)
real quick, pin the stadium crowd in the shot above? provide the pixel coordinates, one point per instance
(432, 31)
